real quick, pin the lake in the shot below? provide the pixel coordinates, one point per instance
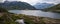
(37, 13)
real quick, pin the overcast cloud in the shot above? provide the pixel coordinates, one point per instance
(1, 0)
(32, 2)
(41, 1)
(56, 1)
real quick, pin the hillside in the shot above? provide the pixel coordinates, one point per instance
(27, 19)
(55, 8)
(15, 5)
(3, 10)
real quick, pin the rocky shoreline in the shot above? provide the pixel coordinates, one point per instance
(28, 19)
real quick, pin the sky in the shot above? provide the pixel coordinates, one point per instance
(1, 0)
(33, 2)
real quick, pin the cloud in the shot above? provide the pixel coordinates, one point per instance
(32, 2)
(1, 0)
(12, 0)
(56, 1)
(50, 1)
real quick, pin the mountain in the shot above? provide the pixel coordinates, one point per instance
(42, 5)
(55, 8)
(16, 5)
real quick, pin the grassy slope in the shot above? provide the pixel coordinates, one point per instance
(55, 8)
(10, 19)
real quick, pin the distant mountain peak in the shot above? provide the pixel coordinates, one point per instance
(17, 5)
(43, 5)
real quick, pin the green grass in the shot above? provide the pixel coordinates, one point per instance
(27, 19)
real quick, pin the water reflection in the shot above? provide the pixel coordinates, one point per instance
(37, 13)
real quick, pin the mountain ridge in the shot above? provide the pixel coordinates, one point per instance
(15, 5)
(55, 8)
(43, 5)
